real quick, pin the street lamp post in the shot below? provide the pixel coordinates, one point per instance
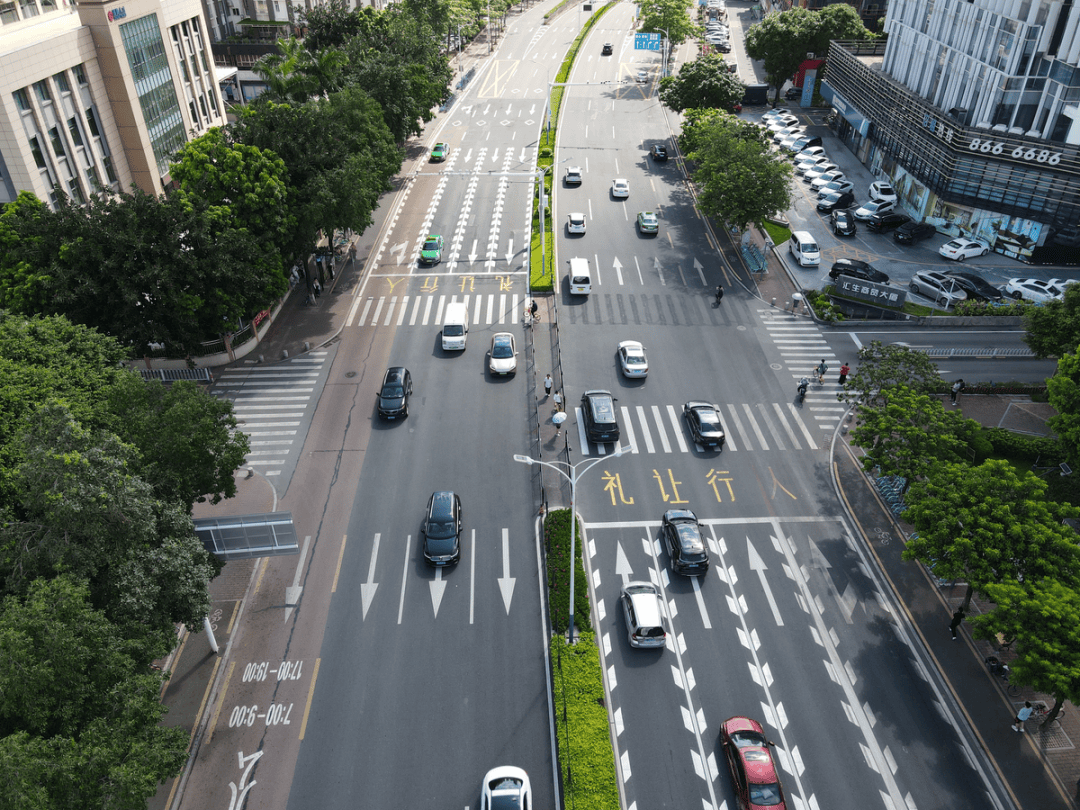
(572, 478)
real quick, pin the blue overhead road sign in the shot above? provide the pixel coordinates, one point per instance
(646, 42)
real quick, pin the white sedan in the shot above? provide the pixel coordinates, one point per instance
(960, 249)
(822, 180)
(632, 359)
(502, 358)
(506, 787)
(575, 223)
(620, 188)
(810, 175)
(882, 190)
(1034, 289)
(864, 212)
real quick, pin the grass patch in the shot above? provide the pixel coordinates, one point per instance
(778, 233)
(586, 758)
(557, 542)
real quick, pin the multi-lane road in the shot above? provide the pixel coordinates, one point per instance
(393, 685)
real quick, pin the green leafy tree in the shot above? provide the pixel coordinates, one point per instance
(80, 718)
(1044, 618)
(339, 154)
(24, 285)
(1064, 394)
(1053, 330)
(740, 179)
(671, 16)
(884, 369)
(704, 82)
(781, 41)
(911, 433)
(838, 21)
(332, 25)
(988, 525)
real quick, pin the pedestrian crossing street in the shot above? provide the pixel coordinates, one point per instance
(748, 427)
(273, 406)
(802, 347)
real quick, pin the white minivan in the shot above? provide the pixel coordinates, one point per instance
(805, 250)
(455, 327)
(580, 277)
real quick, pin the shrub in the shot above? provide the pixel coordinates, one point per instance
(557, 543)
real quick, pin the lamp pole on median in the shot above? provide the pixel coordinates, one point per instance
(572, 477)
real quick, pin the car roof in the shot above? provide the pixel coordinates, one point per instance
(631, 344)
(697, 403)
(679, 514)
(502, 337)
(395, 374)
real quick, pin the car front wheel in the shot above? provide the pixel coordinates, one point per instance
(913, 287)
(943, 302)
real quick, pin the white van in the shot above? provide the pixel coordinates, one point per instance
(455, 327)
(805, 250)
(580, 277)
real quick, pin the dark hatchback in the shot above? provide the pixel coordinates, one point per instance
(394, 394)
(833, 202)
(442, 529)
(685, 546)
(854, 268)
(658, 152)
(606, 50)
(879, 223)
(912, 232)
(977, 286)
(843, 223)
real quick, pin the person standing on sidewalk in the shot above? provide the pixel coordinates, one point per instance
(548, 382)
(957, 620)
(844, 371)
(957, 388)
(558, 401)
(1022, 715)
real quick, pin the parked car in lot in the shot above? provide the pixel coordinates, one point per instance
(812, 174)
(803, 166)
(856, 268)
(911, 232)
(938, 287)
(976, 286)
(867, 210)
(882, 190)
(960, 249)
(825, 178)
(879, 223)
(837, 199)
(843, 223)
(841, 185)
(1034, 289)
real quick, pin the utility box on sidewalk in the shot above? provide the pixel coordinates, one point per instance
(757, 95)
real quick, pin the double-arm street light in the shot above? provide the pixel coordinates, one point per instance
(572, 477)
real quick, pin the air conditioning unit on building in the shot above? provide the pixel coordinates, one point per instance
(811, 56)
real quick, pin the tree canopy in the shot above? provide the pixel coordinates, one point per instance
(740, 179)
(885, 368)
(1053, 329)
(1064, 395)
(669, 17)
(704, 82)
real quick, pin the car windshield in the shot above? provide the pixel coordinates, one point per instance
(441, 530)
(506, 795)
(764, 794)
(393, 391)
(501, 351)
(453, 330)
(748, 739)
(635, 360)
(576, 219)
(431, 244)
(709, 420)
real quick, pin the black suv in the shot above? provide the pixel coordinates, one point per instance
(857, 269)
(685, 547)
(911, 232)
(442, 529)
(394, 394)
(887, 221)
(599, 410)
(658, 152)
(606, 50)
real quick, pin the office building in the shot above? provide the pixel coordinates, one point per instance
(972, 109)
(98, 96)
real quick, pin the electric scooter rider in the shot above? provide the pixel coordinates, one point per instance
(804, 383)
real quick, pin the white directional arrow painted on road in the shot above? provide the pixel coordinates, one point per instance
(399, 250)
(472, 253)
(367, 589)
(468, 156)
(510, 251)
(506, 582)
(292, 593)
(522, 158)
(438, 586)
(758, 564)
(622, 564)
(618, 269)
(700, 270)
(495, 154)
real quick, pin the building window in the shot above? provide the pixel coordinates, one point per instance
(76, 191)
(47, 6)
(42, 90)
(91, 122)
(8, 14)
(109, 171)
(202, 104)
(184, 70)
(22, 99)
(80, 74)
(93, 178)
(62, 83)
(29, 9)
(194, 113)
(57, 144)
(35, 147)
(73, 128)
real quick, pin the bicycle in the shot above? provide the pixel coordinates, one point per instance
(1040, 711)
(1000, 670)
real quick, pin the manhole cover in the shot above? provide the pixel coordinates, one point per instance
(350, 373)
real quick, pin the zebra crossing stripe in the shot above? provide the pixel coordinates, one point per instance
(663, 433)
(754, 425)
(787, 427)
(677, 427)
(802, 426)
(646, 435)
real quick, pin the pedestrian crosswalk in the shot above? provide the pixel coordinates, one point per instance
(427, 309)
(802, 346)
(749, 427)
(274, 405)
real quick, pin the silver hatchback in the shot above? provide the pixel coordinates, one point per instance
(645, 623)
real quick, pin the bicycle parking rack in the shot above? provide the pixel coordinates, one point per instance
(754, 258)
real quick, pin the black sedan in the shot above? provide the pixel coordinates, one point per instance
(658, 152)
(394, 393)
(912, 232)
(880, 223)
(977, 287)
(685, 546)
(834, 201)
(854, 268)
(843, 223)
(703, 419)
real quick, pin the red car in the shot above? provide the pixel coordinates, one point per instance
(753, 769)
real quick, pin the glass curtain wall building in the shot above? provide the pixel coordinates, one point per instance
(973, 110)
